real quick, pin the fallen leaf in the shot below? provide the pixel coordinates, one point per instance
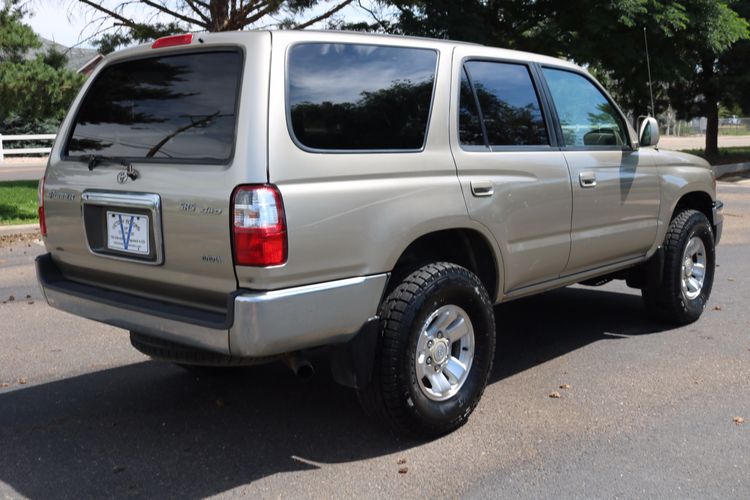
(401, 461)
(11, 298)
(28, 296)
(738, 420)
(4, 384)
(554, 395)
(730, 279)
(565, 386)
(403, 470)
(31, 302)
(717, 308)
(22, 381)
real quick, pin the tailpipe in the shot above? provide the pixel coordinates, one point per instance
(301, 367)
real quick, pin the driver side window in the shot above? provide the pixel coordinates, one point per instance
(587, 118)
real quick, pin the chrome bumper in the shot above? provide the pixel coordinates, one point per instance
(718, 219)
(257, 324)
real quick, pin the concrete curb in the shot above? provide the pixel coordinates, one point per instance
(733, 168)
(19, 229)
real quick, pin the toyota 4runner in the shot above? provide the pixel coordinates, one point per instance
(237, 198)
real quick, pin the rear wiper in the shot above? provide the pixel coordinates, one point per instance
(95, 160)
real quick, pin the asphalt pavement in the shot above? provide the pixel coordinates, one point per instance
(646, 409)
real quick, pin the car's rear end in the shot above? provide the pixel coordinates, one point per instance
(157, 190)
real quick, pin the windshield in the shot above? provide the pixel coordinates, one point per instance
(180, 107)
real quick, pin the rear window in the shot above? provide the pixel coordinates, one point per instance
(360, 97)
(175, 108)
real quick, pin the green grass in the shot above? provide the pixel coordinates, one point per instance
(18, 202)
(725, 156)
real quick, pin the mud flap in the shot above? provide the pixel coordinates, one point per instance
(353, 361)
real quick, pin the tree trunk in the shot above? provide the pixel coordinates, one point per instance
(712, 107)
(219, 10)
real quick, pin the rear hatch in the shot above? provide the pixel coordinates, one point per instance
(138, 187)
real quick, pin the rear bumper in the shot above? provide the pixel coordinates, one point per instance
(256, 324)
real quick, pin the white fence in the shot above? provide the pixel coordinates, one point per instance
(24, 151)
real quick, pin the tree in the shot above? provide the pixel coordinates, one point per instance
(203, 15)
(35, 92)
(687, 40)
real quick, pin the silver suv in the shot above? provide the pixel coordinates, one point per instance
(243, 197)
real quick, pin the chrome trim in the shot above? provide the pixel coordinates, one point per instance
(151, 202)
(297, 318)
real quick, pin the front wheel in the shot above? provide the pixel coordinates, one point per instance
(689, 262)
(435, 352)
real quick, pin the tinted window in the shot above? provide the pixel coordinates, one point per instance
(469, 124)
(509, 103)
(177, 107)
(358, 97)
(586, 116)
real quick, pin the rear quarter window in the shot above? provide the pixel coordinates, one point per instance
(354, 97)
(169, 108)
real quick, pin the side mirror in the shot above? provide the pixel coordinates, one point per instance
(648, 135)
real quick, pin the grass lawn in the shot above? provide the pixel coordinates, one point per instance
(18, 202)
(725, 156)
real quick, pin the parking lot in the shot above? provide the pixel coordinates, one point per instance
(645, 409)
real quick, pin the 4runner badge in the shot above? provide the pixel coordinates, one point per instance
(128, 173)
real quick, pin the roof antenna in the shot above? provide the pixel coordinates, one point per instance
(648, 65)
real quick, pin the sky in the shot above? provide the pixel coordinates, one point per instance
(70, 23)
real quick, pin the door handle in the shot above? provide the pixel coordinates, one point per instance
(587, 179)
(482, 188)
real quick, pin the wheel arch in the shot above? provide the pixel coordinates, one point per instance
(464, 246)
(696, 200)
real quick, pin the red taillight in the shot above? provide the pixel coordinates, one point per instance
(171, 41)
(258, 226)
(40, 203)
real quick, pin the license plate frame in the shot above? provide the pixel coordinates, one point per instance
(95, 208)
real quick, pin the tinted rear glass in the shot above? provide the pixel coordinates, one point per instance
(178, 107)
(509, 103)
(360, 97)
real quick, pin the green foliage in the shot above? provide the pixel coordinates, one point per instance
(18, 203)
(16, 38)
(34, 92)
(698, 48)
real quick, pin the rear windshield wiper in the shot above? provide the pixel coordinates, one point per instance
(95, 160)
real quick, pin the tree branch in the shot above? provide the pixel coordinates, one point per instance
(172, 13)
(196, 9)
(324, 15)
(127, 22)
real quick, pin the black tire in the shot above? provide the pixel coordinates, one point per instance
(394, 394)
(667, 301)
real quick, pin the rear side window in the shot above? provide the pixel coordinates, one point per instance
(176, 108)
(360, 97)
(509, 103)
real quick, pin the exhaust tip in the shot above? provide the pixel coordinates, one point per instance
(302, 368)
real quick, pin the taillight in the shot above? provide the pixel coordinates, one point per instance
(258, 226)
(40, 204)
(172, 40)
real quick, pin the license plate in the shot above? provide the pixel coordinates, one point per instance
(128, 232)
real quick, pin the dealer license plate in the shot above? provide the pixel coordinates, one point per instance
(128, 233)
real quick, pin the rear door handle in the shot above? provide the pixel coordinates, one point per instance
(587, 179)
(482, 188)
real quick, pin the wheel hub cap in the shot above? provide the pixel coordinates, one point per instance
(445, 352)
(693, 268)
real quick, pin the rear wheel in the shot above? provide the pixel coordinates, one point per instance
(690, 257)
(435, 352)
